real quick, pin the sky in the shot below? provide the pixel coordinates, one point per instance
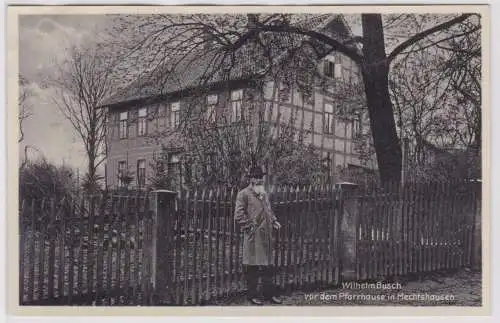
(44, 41)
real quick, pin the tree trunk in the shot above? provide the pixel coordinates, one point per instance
(375, 69)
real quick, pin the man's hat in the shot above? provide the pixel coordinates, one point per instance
(256, 172)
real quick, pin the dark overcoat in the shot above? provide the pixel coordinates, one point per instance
(254, 215)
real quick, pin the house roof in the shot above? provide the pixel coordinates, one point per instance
(195, 69)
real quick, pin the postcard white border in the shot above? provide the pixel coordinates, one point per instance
(12, 153)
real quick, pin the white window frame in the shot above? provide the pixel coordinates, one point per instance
(175, 166)
(356, 126)
(142, 122)
(175, 114)
(121, 172)
(141, 173)
(336, 73)
(123, 125)
(236, 105)
(329, 118)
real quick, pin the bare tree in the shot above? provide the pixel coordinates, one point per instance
(463, 67)
(437, 98)
(174, 41)
(83, 81)
(25, 109)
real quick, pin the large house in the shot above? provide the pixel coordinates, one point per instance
(148, 106)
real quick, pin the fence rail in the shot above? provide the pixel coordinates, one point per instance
(110, 250)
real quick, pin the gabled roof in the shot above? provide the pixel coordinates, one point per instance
(193, 69)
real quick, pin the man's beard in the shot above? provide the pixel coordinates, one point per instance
(259, 189)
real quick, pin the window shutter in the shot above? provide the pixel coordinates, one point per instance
(337, 70)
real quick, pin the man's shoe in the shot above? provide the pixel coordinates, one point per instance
(276, 300)
(256, 301)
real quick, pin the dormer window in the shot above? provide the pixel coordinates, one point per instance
(332, 68)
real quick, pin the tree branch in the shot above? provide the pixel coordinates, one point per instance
(410, 41)
(336, 45)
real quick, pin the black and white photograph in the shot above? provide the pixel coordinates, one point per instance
(260, 157)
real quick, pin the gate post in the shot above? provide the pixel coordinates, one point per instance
(164, 208)
(349, 213)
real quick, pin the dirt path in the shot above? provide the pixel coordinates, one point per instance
(460, 289)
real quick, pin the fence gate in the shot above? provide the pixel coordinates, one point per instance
(92, 251)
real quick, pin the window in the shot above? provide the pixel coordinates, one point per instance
(268, 109)
(333, 69)
(327, 162)
(211, 112)
(142, 122)
(174, 168)
(236, 108)
(122, 165)
(123, 125)
(141, 173)
(356, 127)
(328, 124)
(175, 114)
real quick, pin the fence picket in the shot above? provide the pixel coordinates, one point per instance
(373, 235)
(51, 242)
(195, 253)
(22, 255)
(338, 235)
(31, 238)
(81, 242)
(405, 227)
(285, 222)
(395, 229)
(177, 222)
(440, 225)
(202, 245)
(210, 219)
(295, 238)
(234, 253)
(61, 249)
(427, 229)
(433, 226)
(314, 236)
(455, 217)
(138, 240)
(384, 230)
(362, 237)
(185, 248)
(110, 248)
(227, 243)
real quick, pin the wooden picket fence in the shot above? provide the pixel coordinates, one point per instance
(92, 251)
(417, 228)
(101, 250)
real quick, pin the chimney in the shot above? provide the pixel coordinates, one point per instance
(252, 20)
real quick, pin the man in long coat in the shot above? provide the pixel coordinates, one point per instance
(257, 220)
